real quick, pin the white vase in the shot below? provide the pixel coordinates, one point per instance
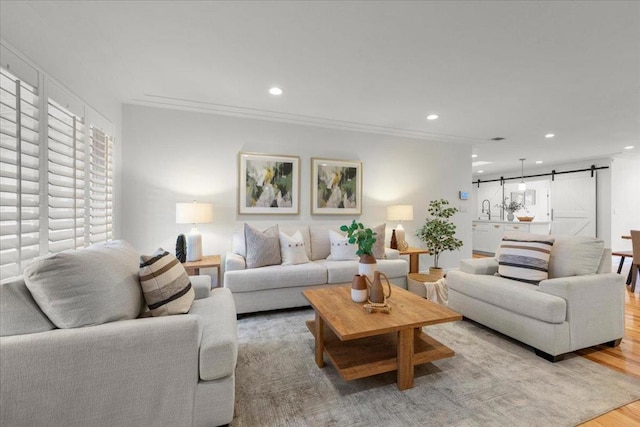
(510, 216)
(367, 266)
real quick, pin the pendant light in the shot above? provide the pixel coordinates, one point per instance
(522, 186)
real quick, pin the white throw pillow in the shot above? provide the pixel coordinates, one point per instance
(341, 249)
(292, 249)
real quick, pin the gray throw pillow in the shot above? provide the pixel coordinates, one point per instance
(263, 247)
(378, 246)
(85, 287)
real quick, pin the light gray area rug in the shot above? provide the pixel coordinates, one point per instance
(491, 381)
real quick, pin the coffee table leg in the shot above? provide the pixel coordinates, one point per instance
(405, 359)
(319, 341)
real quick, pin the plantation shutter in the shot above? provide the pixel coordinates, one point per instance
(100, 186)
(66, 178)
(19, 172)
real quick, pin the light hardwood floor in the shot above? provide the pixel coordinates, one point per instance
(625, 358)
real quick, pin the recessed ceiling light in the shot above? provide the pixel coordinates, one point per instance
(473, 156)
(275, 91)
(538, 161)
(432, 116)
(550, 135)
(480, 171)
(628, 147)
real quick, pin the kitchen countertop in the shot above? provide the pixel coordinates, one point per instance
(500, 221)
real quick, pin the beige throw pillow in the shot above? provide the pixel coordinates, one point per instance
(341, 249)
(378, 246)
(165, 284)
(263, 247)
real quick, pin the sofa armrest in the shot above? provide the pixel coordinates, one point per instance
(234, 262)
(391, 253)
(140, 369)
(595, 306)
(485, 266)
(201, 285)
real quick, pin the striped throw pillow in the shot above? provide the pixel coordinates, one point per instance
(165, 284)
(525, 260)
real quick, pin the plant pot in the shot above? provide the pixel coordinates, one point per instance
(510, 216)
(367, 266)
(436, 271)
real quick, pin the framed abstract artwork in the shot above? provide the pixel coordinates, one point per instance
(268, 184)
(336, 187)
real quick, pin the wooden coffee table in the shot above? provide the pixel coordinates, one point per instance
(361, 344)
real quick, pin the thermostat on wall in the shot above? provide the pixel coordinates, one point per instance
(463, 195)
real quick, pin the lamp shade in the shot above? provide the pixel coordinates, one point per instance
(194, 213)
(400, 213)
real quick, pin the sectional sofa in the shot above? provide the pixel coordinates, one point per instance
(280, 286)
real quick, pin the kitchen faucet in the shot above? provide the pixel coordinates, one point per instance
(488, 210)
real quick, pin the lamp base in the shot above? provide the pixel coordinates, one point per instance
(194, 245)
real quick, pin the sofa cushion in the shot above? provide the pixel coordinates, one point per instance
(165, 284)
(517, 297)
(263, 247)
(19, 313)
(320, 243)
(219, 341)
(341, 249)
(526, 260)
(87, 287)
(293, 249)
(275, 276)
(378, 246)
(575, 256)
(343, 271)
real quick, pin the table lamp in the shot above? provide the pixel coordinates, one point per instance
(400, 213)
(194, 213)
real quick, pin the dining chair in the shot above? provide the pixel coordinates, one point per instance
(635, 265)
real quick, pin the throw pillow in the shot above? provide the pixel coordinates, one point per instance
(263, 247)
(341, 249)
(165, 284)
(525, 260)
(378, 246)
(293, 249)
(86, 287)
(575, 256)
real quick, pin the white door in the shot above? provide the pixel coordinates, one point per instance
(573, 204)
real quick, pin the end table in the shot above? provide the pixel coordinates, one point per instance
(207, 261)
(414, 258)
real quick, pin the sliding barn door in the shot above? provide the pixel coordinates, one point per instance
(573, 204)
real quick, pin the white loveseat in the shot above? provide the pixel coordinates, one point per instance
(280, 286)
(174, 370)
(580, 305)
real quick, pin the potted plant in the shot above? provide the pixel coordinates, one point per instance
(438, 232)
(510, 207)
(364, 238)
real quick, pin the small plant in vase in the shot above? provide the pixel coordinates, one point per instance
(511, 207)
(438, 232)
(364, 238)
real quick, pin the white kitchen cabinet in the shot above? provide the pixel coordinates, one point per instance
(487, 235)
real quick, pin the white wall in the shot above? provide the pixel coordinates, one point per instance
(174, 156)
(625, 200)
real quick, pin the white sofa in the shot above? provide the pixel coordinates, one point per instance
(174, 370)
(279, 286)
(580, 305)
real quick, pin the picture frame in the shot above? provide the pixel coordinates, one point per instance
(336, 187)
(268, 184)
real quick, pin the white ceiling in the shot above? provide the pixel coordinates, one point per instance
(517, 70)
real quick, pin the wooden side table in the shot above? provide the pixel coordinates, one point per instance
(207, 261)
(414, 258)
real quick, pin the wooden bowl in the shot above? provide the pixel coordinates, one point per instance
(525, 218)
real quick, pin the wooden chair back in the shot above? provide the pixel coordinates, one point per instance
(635, 242)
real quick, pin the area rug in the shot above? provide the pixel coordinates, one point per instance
(491, 381)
